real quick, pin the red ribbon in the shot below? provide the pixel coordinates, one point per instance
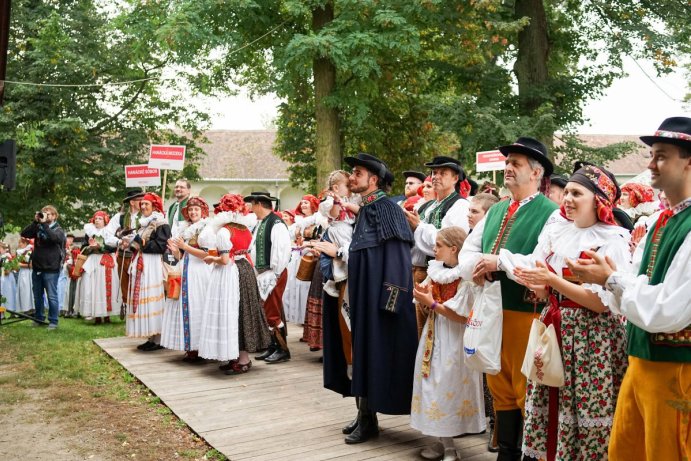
(174, 287)
(108, 262)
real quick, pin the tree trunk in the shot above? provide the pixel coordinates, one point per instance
(328, 127)
(531, 67)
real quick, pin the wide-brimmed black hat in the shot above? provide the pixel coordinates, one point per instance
(260, 197)
(674, 130)
(372, 164)
(135, 192)
(558, 180)
(415, 174)
(442, 161)
(533, 149)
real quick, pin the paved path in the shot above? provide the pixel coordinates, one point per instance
(274, 412)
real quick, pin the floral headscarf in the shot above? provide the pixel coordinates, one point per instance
(101, 214)
(598, 181)
(638, 193)
(195, 201)
(155, 199)
(231, 202)
(313, 201)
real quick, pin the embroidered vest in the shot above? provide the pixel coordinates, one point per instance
(520, 237)
(436, 215)
(263, 241)
(662, 347)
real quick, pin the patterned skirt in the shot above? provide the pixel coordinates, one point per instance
(254, 332)
(312, 331)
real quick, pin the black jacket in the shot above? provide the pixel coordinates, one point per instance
(49, 246)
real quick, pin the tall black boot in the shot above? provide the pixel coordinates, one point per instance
(367, 425)
(509, 429)
(281, 354)
(269, 350)
(350, 427)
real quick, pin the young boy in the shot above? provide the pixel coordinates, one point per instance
(479, 205)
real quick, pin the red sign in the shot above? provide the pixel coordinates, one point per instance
(490, 160)
(167, 157)
(142, 175)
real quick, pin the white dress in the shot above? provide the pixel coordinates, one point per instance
(182, 317)
(148, 319)
(295, 294)
(219, 327)
(98, 291)
(450, 401)
(8, 289)
(25, 294)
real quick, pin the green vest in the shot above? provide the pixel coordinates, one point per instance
(171, 211)
(658, 347)
(523, 230)
(263, 242)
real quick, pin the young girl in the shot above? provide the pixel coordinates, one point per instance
(25, 294)
(8, 283)
(340, 207)
(447, 396)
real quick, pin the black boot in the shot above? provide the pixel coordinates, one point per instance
(367, 425)
(492, 445)
(509, 429)
(282, 354)
(269, 350)
(350, 427)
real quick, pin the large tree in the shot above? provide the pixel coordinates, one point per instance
(73, 141)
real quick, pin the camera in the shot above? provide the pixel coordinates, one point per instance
(39, 215)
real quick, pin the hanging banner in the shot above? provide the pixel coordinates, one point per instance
(167, 157)
(489, 160)
(142, 176)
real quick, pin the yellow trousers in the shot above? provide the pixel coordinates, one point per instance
(651, 421)
(508, 386)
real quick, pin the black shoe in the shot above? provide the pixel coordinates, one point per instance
(350, 427)
(279, 356)
(152, 347)
(269, 350)
(146, 345)
(367, 425)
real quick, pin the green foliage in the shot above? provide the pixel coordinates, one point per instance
(73, 142)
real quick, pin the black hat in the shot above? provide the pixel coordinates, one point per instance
(135, 192)
(442, 161)
(260, 197)
(674, 130)
(474, 186)
(533, 149)
(414, 174)
(373, 165)
(558, 180)
(388, 178)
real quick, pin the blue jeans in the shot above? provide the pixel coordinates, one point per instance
(47, 281)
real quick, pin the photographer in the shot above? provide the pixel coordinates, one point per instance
(47, 258)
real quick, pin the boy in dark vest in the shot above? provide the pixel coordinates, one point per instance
(270, 251)
(652, 419)
(513, 224)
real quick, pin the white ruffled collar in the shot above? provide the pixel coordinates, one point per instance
(442, 274)
(226, 217)
(92, 231)
(191, 230)
(145, 221)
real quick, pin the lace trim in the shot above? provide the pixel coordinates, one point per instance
(532, 453)
(570, 418)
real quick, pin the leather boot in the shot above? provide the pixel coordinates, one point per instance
(492, 445)
(509, 429)
(269, 350)
(350, 427)
(281, 354)
(367, 425)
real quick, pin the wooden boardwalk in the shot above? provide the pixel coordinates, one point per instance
(278, 411)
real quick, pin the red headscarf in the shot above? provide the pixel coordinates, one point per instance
(155, 199)
(231, 202)
(638, 193)
(195, 201)
(597, 181)
(102, 214)
(313, 201)
(464, 188)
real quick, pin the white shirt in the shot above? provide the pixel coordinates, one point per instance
(426, 233)
(472, 248)
(665, 307)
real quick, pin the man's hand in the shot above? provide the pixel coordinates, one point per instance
(327, 248)
(486, 265)
(413, 219)
(595, 269)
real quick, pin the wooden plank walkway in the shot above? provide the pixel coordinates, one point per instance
(278, 411)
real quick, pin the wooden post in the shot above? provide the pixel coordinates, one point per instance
(163, 189)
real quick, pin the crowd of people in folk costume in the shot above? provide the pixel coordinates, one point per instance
(385, 287)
